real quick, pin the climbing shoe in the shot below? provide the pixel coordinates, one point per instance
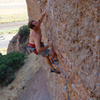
(55, 71)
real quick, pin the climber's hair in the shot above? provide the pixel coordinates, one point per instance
(30, 25)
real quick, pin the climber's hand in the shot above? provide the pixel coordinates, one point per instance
(42, 17)
(50, 43)
(44, 13)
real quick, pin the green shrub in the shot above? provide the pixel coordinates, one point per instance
(9, 80)
(8, 65)
(24, 30)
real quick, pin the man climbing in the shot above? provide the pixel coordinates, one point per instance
(35, 44)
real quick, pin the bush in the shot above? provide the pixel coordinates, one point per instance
(8, 65)
(24, 30)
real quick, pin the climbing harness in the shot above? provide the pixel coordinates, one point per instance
(63, 74)
(31, 48)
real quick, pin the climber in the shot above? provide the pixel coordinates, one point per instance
(35, 44)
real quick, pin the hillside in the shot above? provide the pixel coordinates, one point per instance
(30, 77)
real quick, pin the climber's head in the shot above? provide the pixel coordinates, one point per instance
(33, 24)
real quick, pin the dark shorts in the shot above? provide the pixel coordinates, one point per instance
(43, 53)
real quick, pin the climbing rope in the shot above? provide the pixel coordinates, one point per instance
(48, 52)
(63, 74)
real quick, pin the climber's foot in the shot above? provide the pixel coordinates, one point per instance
(55, 71)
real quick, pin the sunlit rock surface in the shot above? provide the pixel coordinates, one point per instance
(74, 28)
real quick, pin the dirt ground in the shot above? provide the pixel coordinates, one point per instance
(36, 88)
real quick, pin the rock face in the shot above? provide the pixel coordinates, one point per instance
(13, 44)
(74, 28)
(18, 43)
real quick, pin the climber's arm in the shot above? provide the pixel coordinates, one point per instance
(42, 17)
(38, 45)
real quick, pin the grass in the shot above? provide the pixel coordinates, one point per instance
(11, 31)
(13, 18)
(13, 13)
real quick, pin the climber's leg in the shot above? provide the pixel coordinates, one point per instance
(52, 68)
(54, 56)
(51, 52)
(48, 61)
